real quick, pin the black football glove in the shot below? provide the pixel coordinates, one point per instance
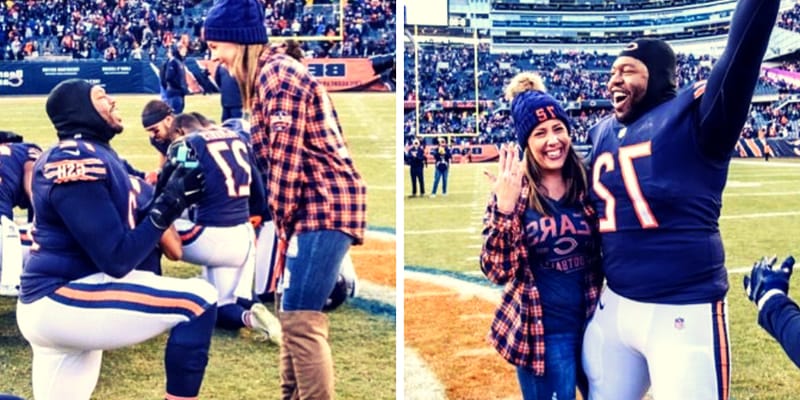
(183, 188)
(163, 176)
(765, 277)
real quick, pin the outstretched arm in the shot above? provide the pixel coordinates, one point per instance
(780, 316)
(723, 108)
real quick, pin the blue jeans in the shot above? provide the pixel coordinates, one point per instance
(562, 360)
(312, 272)
(436, 177)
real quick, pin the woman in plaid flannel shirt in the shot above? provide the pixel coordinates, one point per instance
(314, 193)
(540, 241)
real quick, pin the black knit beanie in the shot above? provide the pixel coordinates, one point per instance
(69, 106)
(661, 65)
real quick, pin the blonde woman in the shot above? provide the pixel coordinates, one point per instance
(315, 195)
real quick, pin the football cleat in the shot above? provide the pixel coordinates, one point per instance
(263, 320)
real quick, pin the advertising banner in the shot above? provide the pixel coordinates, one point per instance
(777, 74)
(345, 74)
(40, 77)
(337, 74)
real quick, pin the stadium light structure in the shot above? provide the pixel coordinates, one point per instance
(436, 13)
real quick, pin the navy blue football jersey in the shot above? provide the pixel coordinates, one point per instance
(658, 199)
(13, 157)
(225, 160)
(85, 216)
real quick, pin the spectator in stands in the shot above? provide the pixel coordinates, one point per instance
(442, 157)
(768, 287)
(417, 161)
(659, 219)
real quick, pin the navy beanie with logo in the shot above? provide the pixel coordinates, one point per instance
(532, 107)
(236, 21)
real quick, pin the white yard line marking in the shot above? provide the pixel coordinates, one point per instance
(766, 164)
(475, 316)
(440, 293)
(464, 288)
(380, 235)
(419, 381)
(380, 293)
(433, 206)
(480, 352)
(758, 194)
(761, 215)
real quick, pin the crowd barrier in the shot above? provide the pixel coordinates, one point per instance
(36, 77)
(468, 153)
(747, 148)
(30, 77)
(339, 74)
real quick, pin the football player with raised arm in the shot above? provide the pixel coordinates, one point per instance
(659, 165)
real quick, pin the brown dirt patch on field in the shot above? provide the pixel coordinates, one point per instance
(375, 261)
(449, 331)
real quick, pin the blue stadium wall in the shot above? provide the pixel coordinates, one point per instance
(29, 78)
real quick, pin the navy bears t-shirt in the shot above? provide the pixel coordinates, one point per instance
(561, 247)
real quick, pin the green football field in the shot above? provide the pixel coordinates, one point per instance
(241, 366)
(760, 216)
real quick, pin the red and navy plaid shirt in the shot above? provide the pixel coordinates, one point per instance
(517, 332)
(311, 181)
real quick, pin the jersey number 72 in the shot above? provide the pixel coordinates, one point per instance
(605, 162)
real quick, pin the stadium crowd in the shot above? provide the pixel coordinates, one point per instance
(446, 72)
(127, 30)
(790, 19)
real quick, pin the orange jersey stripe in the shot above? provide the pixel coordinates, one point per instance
(189, 235)
(133, 297)
(723, 350)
